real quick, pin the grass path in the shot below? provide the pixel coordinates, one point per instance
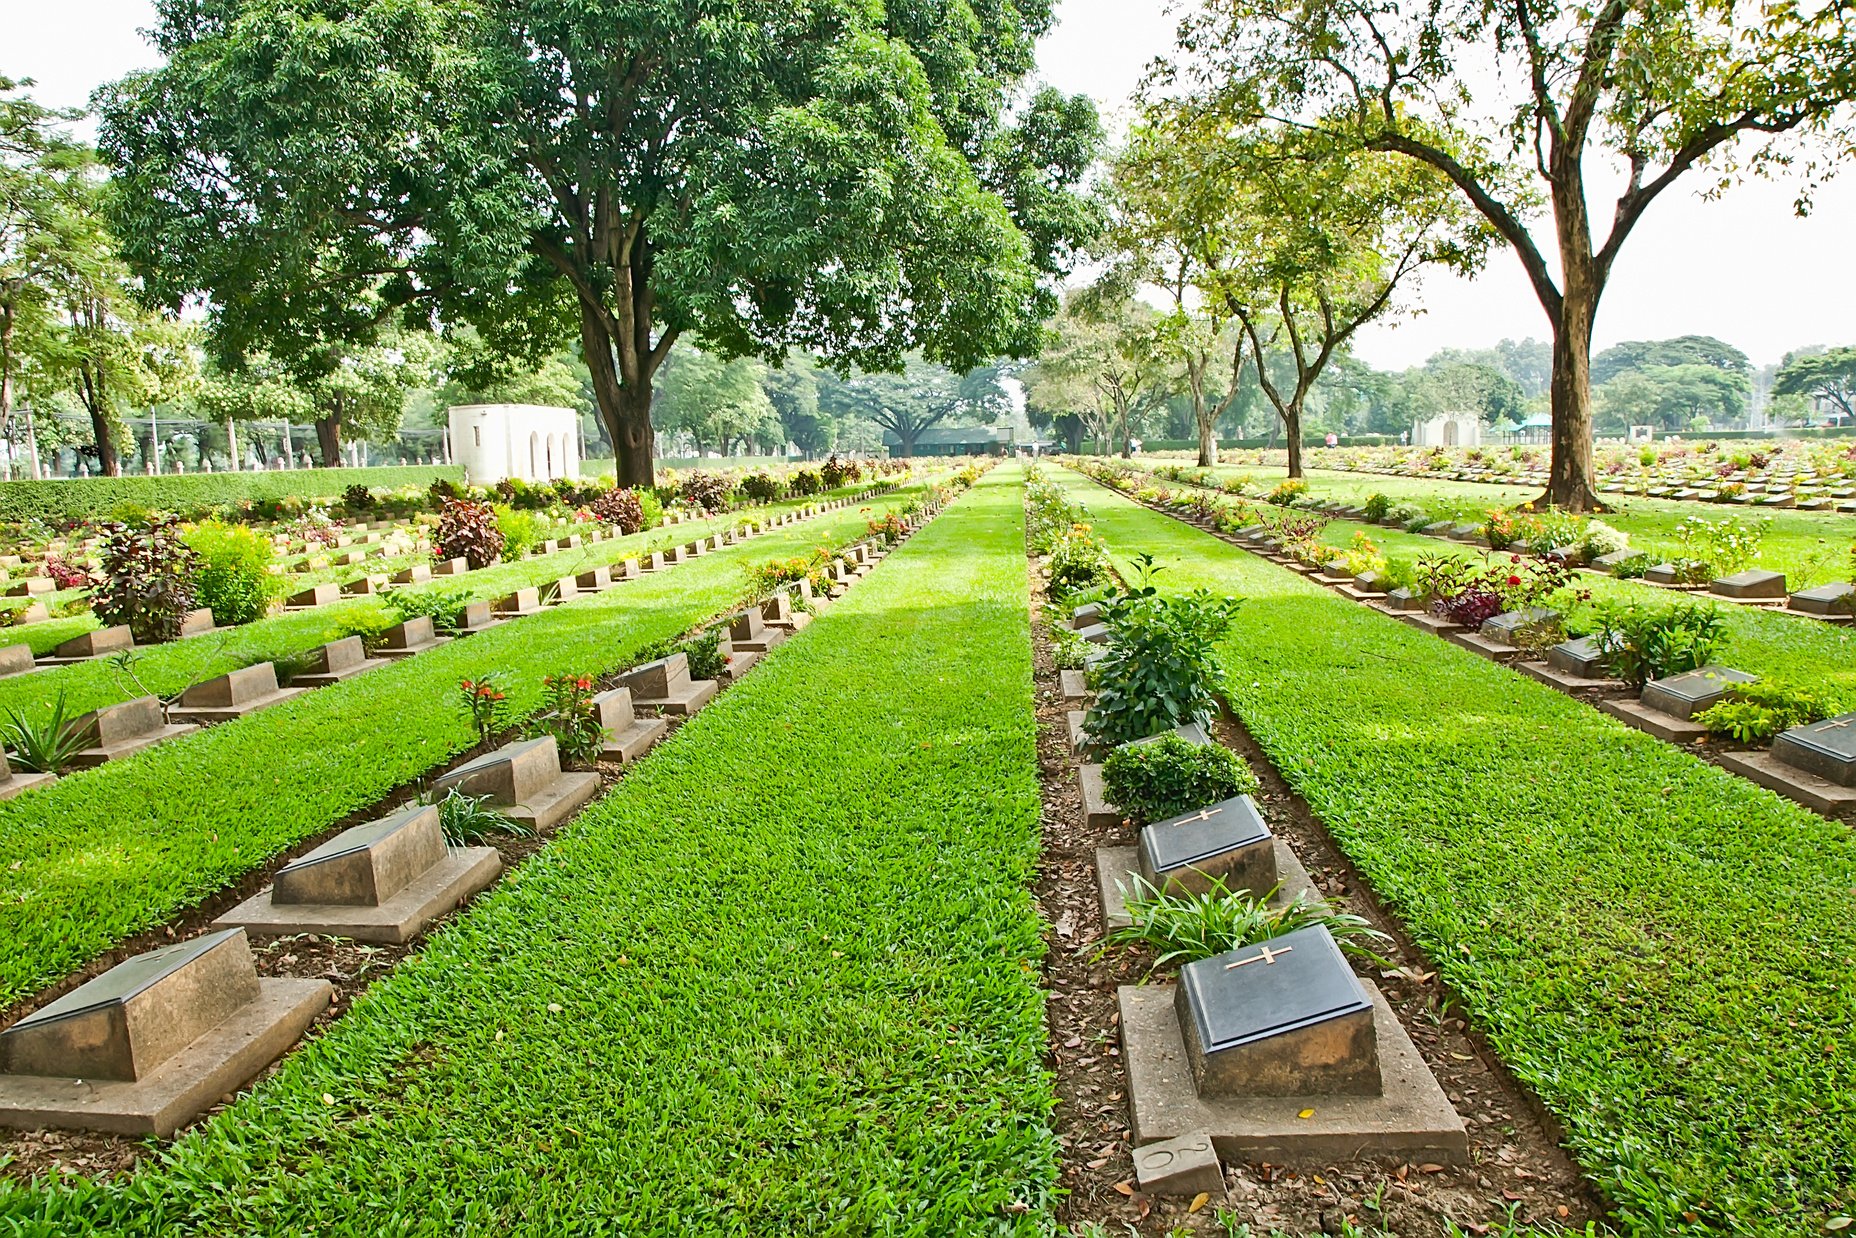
(1665, 953)
(782, 980)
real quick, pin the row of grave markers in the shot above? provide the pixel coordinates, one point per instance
(1276, 1051)
(124, 729)
(147, 1046)
(1813, 765)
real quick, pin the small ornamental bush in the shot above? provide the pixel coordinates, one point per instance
(1377, 506)
(1159, 671)
(1171, 775)
(65, 574)
(1755, 713)
(834, 472)
(806, 482)
(621, 508)
(467, 530)
(521, 531)
(468, 819)
(762, 487)
(486, 705)
(1078, 561)
(235, 578)
(443, 488)
(147, 580)
(445, 607)
(1184, 928)
(567, 713)
(1641, 643)
(1287, 492)
(357, 500)
(708, 491)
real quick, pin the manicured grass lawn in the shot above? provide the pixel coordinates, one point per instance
(782, 980)
(1809, 547)
(106, 852)
(1665, 953)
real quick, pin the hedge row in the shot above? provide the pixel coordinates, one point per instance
(1665, 953)
(108, 852)
(79, 498)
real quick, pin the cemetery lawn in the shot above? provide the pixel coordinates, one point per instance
(1794, 649)
(1665, 953)
(783, 979)
(1811, 548)
(111, 851)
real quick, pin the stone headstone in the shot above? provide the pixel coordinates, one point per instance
(1225, 842)
(123, 729)
(748, 632)
(417, 574)
(1520, 627)
(1750, 584)
(1827, 749)
(366, 865)
(414, 636)
(16, 659)
(366, 586)
(1283, 1017)
(474, 618)
(628, 736)
(31, 586)
(97, 644)
(1664, 574)
(1404, 600)
(625, 569)
(566, 589)
(1685, 695)
(316, 595)
(196, 622)
(666, 684)
(451, 567)
(525, 781)
(1837, 599)
(778, 610)
(521, 602)
(336, 661)
(1609, 562)
(1086, 616)
(593, 580)
(1582, 657)
(697, 547)
(235, 694)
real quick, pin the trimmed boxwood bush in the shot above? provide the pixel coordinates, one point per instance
(235, 578)
(1171, 775)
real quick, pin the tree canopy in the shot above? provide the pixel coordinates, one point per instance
(849, 178)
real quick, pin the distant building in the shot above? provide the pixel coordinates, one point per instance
(956, 441)
(1448, 430)
(525, 441)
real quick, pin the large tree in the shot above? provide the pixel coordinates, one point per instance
(1663, 91)
(1105, 359)
(1323, 237)
(842, 175)
(717, 403)
(906, 402)
(1826, 378)
(1677, 398)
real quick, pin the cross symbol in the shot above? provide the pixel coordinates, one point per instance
(1203, 814)
(1269, 956)
(1837, 725)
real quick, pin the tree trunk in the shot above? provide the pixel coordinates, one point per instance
(1292, 429)
(624, 408)
(96, 404)
(1569, 483)
(6, 382)
(329, 440)
(1201, 412)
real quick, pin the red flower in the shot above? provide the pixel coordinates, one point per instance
(1514, 581)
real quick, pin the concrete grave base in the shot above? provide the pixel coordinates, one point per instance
(1410, 1120)
(1572, 685)
(1436, 625)
(401, 918)
(1117, 869)
(1363, 595)
(23, 780)
(634, 741)
(1654, 722)
(226, 713)
(1079, 738)
(181, 1088)
(323, 679)
(1096, 810)
(567, 796)
(1817, 793)
(741, 661)
(1075, 685)
(1482, 646)
(90, 758)
(692, 696)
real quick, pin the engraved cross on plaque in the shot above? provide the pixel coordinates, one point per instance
(1837, 725)
(1203, 814)
(1268, 957)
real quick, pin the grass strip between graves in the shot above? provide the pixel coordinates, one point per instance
(1664, 952)
(95, 857)
(783, 979)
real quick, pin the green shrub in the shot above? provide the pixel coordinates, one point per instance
(196, 495)
(444, 606)
(468, 819)
(1377, 506)
(622, 508)
(1755, 713)
(522, 531)
(1642, 643)
(1170, 775)
(470, 531)
(567, 713)
(43, 745)
(147, 580)
(1184, 928)
(1158, 672)
(235, 578)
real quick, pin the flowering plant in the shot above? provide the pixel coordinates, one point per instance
(486, 704)
(568, 714)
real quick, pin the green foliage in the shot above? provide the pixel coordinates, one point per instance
(1719, 547)
(521, 531)
(43, 744)
(148, 579)
(468, 820)
(1641, 643)
(567, 713)
(1377, 507)
(1170, 775)
(234, 571)
(1158, 672)
(1184, 928)
(196, 494)
(469, 530)
(486, 704)
(1755, 713)
(445, 607)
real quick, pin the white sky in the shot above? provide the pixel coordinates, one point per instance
(1743, 268)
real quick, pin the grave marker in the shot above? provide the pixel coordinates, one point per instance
(122, 730)
(316, 595)
(337, 661)
(525, 782)
(1751, 585)
(98, 644)
(521, 602)
(234, 695)
(666, 684)
(628, 736)
(414, 636)
(1225, 842)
